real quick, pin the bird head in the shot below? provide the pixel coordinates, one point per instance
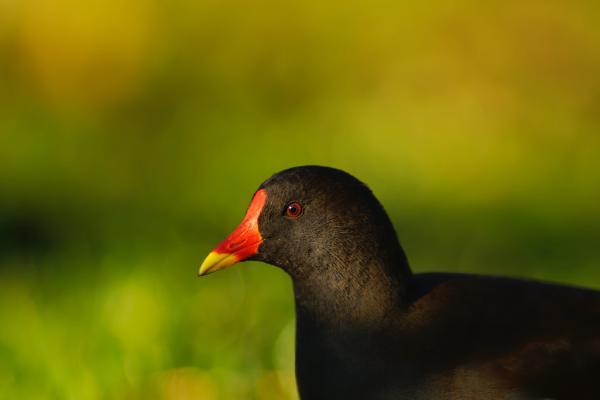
(307, 219)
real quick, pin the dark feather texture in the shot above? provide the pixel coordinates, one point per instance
(367, 328)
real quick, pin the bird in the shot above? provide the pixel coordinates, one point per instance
(367, 327)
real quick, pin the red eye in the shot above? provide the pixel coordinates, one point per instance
(293, 210)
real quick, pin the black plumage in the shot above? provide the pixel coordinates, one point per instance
(368, 328)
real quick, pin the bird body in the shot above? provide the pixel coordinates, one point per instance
(460, 337)
(368, 328)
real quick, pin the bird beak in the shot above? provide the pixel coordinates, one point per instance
(242, 243)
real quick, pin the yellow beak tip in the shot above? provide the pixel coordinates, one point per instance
(216, 261)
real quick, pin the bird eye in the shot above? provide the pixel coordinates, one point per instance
(293, 210)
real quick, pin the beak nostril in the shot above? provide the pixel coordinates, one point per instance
(237, 244)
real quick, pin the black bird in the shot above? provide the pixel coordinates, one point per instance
(368, 328)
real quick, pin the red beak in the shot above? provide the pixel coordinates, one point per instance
(242, 243)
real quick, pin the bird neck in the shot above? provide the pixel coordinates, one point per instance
(361, 288)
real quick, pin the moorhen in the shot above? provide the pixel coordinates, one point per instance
(368, 328)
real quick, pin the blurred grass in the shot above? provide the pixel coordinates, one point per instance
(132, 135)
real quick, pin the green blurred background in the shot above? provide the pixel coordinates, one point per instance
(133, 134)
